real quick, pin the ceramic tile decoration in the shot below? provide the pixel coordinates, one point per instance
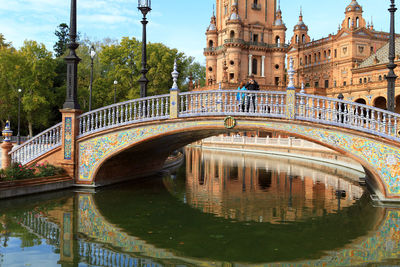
(68, 138)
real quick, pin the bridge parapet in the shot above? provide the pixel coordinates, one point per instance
(133, 111)
(38, 145)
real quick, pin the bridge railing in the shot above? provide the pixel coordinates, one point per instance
(138, 110)
(233, 102)
(348, 114)
(38, 145)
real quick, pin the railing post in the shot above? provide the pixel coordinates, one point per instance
(6, 147)
(291, 94)
(69, 134)
(174, 95)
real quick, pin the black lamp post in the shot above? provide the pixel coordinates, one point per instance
(391, 77)
(92, 55)
(19, 116)
(145, 7)
(71, 101)
(115, 91)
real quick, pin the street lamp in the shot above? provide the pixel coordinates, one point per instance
(92, 55)
(19, 116)
(115, 91)
(391, 77)
(145, 7)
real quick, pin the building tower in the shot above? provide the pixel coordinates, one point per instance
(246, 37)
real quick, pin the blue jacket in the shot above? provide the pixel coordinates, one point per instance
(240, 96)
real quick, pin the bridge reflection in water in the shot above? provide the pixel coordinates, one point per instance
(153, 223)
(266, 188)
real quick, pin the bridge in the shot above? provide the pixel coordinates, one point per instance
(135, 137)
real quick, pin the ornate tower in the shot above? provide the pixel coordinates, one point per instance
(300, 32)
(246, 37)
(353, 19)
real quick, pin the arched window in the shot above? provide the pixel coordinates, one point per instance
(210, 43)
(324, 54)
(329, 54)
(254, 66)
(309, 59)
(348, 22)
(380, 77)
(303, 38)
(319, 56)
(297, 39)
(232, 35)
(277, 40)
(305, 60)
(360, 80)
(365, 80)
(357, 22)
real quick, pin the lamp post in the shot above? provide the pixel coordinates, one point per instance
(115, 91)
(145, 7)
(19, 116)
(391, 77)
(71, 101)
(92, 55)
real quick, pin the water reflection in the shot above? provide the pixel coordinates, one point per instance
(264, 188)
(143, 224)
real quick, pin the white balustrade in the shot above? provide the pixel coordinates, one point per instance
(138, 110)
(37, 146)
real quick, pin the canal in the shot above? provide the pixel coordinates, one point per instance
(216, 209)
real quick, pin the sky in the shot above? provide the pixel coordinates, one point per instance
(179, 24)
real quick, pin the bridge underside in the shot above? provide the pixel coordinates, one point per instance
(138, 150)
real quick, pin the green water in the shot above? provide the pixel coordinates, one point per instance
(215, 210)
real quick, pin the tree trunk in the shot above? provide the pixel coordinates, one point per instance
(30, 129)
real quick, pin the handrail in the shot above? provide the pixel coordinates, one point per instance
(137, 110)
(38, 145)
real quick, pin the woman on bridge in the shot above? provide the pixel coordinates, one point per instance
(240, 97)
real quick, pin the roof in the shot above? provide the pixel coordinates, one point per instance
(381, 56)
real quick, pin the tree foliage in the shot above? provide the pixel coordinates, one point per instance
(61, 45)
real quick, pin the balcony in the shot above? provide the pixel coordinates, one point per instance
(259, 44)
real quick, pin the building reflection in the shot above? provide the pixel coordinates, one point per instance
(266, 189)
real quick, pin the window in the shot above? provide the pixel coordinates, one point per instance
(365, 80)
(255, 38)
(357, 22)
(305, 60)
(344, 83)
(301, 62)
(329, 54)
(326, 83)
(303, 38)
(348, 22)
(297, 39)
(210, 43)
(277, 66)
(276, 80)
(316, 84)
(277, 40)
(232, 35)
(324, 54)
(334, 83)
(380, 77)
(360, 80)
(335, 53)
(254, 66)
(231, 76)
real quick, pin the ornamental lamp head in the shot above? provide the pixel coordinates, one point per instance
(7, 133)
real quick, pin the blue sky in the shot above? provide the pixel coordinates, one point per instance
(177, 23)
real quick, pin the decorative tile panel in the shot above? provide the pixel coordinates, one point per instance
(68, 138)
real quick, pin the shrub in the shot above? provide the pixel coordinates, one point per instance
(45, 170)
(17, 172)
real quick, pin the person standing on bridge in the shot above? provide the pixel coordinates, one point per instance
(240, 97)
(252, 85)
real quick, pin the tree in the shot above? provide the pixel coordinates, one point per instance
(3, 43)
(37, 84)
(61, 45)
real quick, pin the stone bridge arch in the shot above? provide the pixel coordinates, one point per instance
(380, 159)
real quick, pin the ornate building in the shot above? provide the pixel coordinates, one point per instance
(246, 37)
(331, 65)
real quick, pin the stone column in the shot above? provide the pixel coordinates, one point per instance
(174, 95)
(6, 146)
(290, 93)
(250, 65)
(5, 158)
(263, 66)
(69, 149)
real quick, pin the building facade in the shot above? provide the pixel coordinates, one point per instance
(246, 37)
(328, 65)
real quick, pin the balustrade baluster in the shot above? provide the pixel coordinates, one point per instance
(186, 104)
(152, 108)
(396, 131)
(167, 106)
(148, 108)
(389, 128)
(384, 122)
(182, 100)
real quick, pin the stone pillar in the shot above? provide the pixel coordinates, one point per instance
(291, 93)
(6, 146)
(263, 66)
(174, 95)
(5, 158)
(69, 149)
(250, 64)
